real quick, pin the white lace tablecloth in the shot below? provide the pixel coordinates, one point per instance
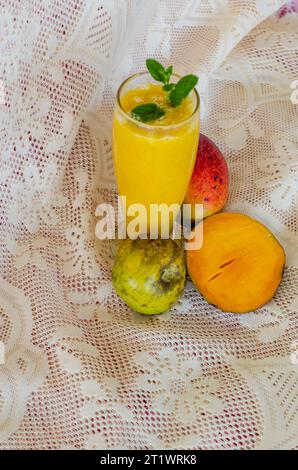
(81, 370)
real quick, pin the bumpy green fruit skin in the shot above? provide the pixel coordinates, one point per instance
(149, 275)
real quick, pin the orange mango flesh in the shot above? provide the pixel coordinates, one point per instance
(240, 265)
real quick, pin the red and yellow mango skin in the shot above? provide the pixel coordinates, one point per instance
(210, 180)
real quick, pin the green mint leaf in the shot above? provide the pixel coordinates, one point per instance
(169, 72)
(183, 89)
(147, 112)
(168, 87)
(158, 72)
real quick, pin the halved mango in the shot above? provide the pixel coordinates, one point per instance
(240, 265)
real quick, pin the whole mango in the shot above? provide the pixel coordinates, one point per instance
(209, 185)
(149, 275)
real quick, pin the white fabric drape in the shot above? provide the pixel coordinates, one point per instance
(81, 370)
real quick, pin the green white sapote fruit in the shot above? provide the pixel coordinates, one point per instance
(149, 275)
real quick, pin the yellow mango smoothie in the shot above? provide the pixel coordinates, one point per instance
(154, 161)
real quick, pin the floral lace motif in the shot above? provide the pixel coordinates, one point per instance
(35, 201)
(282, 175)
(82, 370)
(24, 366)
(181, 388)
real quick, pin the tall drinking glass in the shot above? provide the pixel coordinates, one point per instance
(154, 162)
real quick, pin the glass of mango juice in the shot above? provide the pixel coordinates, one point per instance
(154, 161)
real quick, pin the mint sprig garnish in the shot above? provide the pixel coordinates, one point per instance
(182, 89)
(158, 72)
(177, 92)
(147, 112)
